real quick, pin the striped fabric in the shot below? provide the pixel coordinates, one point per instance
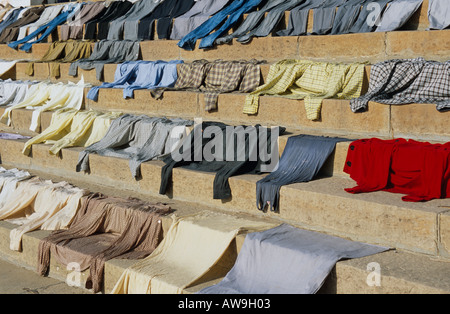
(311, 81)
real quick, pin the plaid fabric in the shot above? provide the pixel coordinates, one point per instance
(215, 78)
(405, 81)
(311, 81)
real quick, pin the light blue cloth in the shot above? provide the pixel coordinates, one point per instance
(397, 14)
(134, 75)
(232, 11)
(67, 13)
(439, 14)
(287, 260)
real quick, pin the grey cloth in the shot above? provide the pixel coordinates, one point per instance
(13, 92)
(107, 51)
(439, 14)
(369, 16)
(126, 27)
(196, 16)
(251, 21)
(138, 138)
(346, 16)
(287, 260)
(397, 14)
(406, 81)
(272, 19)
(323, 17)
(301, 161)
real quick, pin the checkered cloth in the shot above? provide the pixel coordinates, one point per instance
(311, 81)
(217, 77)
(405, 81)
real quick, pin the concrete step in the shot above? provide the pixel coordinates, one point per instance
(365, 47)
(394, 271)
(321, 204)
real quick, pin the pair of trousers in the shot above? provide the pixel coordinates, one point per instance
(439, 14)
(369, 16)
(44, 31)
(74, 29)
(230, 14)
(164, 14)
(107, 51)
(196, 16)
(11, 32)
(274, 16)
(99, 26)
(298, 18)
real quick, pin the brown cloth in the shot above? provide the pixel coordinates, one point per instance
(74, 29)
(104, 228)
(11, 32)
(63, 52)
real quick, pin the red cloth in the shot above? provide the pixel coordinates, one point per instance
(418, 169)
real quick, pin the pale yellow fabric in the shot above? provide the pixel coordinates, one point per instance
(47, 97)
(70, 127)
(34, 202)
(191, 247)
(311, 81)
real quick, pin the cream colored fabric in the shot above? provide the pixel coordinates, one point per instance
(191, 247)
(9, 180)
(47, 97)
(34, 202)
(70, 127)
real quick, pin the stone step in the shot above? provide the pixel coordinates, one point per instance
(392, 272)
(365, 47)
(321, 204)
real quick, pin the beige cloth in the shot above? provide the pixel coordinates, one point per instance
(104, 228)
(191, 247)
(34, 202)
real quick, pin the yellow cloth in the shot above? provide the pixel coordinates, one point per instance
(34, 202)
(47, 96)
(311, 81)
(191, 247)
(70, 127)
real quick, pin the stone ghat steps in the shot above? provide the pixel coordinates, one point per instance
(322, 204)
(401, 272)
(362, 47)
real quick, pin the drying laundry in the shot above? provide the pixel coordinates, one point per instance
(196, 16)
(369, 16)
(33, 203)
(287, 260)
(45, 30)
(301, 161)
(14, 92)
(418, 169)
(46, 97)
(311, 81)
(163, 16)
(104, 228)
(73, 29)
(71, 127)
(217, 77)
(5, 66)
(50, 13)
(217, 25)
(11, 32)
(234, 154)
(126, 26)
(9, 180)
(397, 13)
(12, 136)
(191, 247)
(98, 27)
(135, 75)
(439, 14)
(405, 81)
(107, 51)
(62, 52)
(138, 138)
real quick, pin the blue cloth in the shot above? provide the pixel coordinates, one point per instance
(134, 75)
(11, 18)
(47, 29)
(232, 11)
